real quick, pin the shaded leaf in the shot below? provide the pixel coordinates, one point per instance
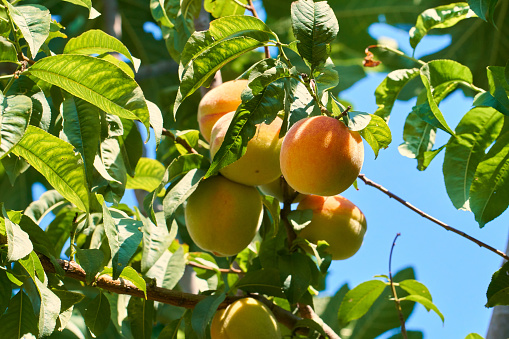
(141, 314)
(19, 319)
(485, 9)
(7, 51)
(91, 260)
(48, 201)
(97, 314)
(498, 290)
(156, 239)
(49, 309)
(266, 281)
(203, 313)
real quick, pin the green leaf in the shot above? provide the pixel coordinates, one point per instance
(18, 242)
(409, 335)
(141, 314)
(473, 336)
(96, 41)
(19, 319)
(273, 207)
(476, 131)
(7, 51)
(5, 291)
(254, 109)
(315, 27)
(156, 239)
(485, 9)
(296, 275)
(499, 87)
(424, 302)
(97, 314)
(91, 260)
(82, 129)
(206, 52)
(220, 8)
(498, 290)
(439, 17)
(169, 268)
(34, 22)
(33, 266)
(299, 219)
(203, 313)
(59, 229)
(310, 324)
(489, 192)
(156, 121)
(49, 309)
(84, 3)
(388, 90)
(266, 281)
(14, 166)
(377, 134)
(131, 146)
(327, 308)
(419, 137)
(171, 330)
(112, 167)
(414, 287)
(359, 299)
(15, 112)
(97, 81)
(485, 99)
(56, 160)
(124, 236)
(149, 173)
(357, 121)
(180, 192)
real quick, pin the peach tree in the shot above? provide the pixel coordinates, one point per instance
(85, 88)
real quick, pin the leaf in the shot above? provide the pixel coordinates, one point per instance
(81, 128)
(156, 239)
(141, 314)
(91, 260)
(47, 202)
(473, 336)
(19, 320)
(203, 313)
(357, 121)
(299, 219)
(5, 291)
(130, 274)
(484, 9)
(156, 121)
(474, 134)
(33, 266)
(498, 290)
(409, 335)
(266, 281)
(7, 51)
(206, 52)
(85, 3)
(171, 330)
(489, 192)
(15, 112)
(97, 314)
(124, 236)
(377, 134)
(439, 17)
(296, 275)
(97, 81)
(57, 162)
(59, 229)
(315, 27)
(95, 41)
(425, 302)
(359, 299)
(419, 137)
(149, 173)
(388, 90)
(499, 87)
(310, 324)
(220, 8)
(415, 287)
(485, 99)
(34, 22)
(49, 309)
(180, 192)
(14, 166)
(18, 242)
(113, 169)
(254, 109)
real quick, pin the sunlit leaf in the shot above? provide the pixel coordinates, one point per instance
(359, 299)
(15, 112)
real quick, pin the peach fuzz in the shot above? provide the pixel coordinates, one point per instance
(217, 102)
(321, 156)
(260, 164)
(336, 220)
(223, 216)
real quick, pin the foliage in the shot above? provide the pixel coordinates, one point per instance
(76, 101)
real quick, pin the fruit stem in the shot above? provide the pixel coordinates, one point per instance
(179, 140)
(393, 289)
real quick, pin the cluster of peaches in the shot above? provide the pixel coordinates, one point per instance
(316, 160)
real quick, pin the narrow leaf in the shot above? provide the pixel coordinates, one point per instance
(130, 274)
(19, 320)
(49, 309)
(56, 160)
(358, 300)
(203, 313)
(15, 114)
(97, 314)
(18, 242)
(425, 302)
(156, 239)
(141, 314)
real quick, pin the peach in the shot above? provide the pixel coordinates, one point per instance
(260, 164)
(280, 190)
(223, 216)
(246, 318)
(217, 102)
(321, 156)
(336, 220)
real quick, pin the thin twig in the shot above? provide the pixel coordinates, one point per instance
(371, 183)
(395, 295)
(307, 312)
(222, 270)
(179, 140)
(253, 10)
(398, 52)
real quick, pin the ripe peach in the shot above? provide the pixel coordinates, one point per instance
(217, 102)
(223, 216)
(320, 155)
(260, 164)
(336, 220)
(246, 318)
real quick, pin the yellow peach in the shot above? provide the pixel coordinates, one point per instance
(223, 216)
(246, 318)
(336, 220)
(217, 102)
(321, 156)
(260, 164)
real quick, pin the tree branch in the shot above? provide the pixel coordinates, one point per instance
(176, 298)
(179, 140)
(371, 183)
(222, 270)
(307, 312)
